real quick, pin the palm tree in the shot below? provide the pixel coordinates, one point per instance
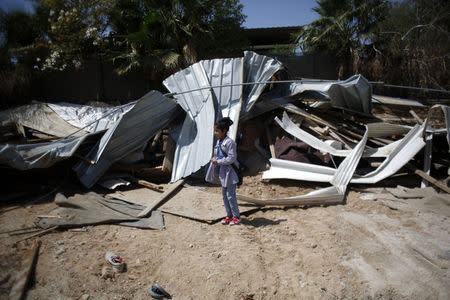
(164, 35)
(343, 30)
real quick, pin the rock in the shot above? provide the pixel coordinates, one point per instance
(191, 246)
(60, 251)
(107, 272)
(292, 232)
(313, 245)
(84, 297)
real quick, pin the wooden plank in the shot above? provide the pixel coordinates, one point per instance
(167, 164)
(37, 234)
(167, 193)
(150, 185)
(270, 141)
(315, 118)
(147, 184)
(337, 137)
(418, 119)
(156, 172)
(428, 178)
(24, 273)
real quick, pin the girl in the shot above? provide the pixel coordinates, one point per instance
(220, 170)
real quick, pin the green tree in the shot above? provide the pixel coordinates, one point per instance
(413, 45)
(344, 30)
(163, 35)
(75, 29)
(17, 31)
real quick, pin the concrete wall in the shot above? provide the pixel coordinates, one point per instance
(97, 81)
(309, 66)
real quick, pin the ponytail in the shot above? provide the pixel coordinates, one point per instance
(224, 124)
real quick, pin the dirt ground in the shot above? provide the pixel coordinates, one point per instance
(359, 250)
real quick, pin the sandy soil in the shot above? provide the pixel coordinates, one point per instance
(359, 250)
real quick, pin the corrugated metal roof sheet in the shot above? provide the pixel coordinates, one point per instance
(204, 106)
(227, 99)
(403, 152)
(82, 116)
(194, 144)
(41, 117)
(187, 80)
(41, 155)
(151, 113)
(257, 68)
(353, 93)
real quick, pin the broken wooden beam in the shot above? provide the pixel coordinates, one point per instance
(270, 141)
(428, 178)
(305, 114)
(418, 119)
(38, 233)
(171, 188)
(147, 184)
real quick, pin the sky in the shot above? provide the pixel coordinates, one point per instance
(14, 5)
(278, 13)
(260, 13)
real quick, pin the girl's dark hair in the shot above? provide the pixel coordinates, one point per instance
(224, 124)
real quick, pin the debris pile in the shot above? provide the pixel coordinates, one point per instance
(335, 132)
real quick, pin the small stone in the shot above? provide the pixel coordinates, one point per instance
(191, 246)
(292, 232)
(60, 251)
(313, 245)
(219, 255)
(138, 261)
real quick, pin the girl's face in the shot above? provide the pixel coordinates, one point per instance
(220, 134)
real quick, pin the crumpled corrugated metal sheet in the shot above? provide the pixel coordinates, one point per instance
(382, 129)
(41, 155)
(151, 113)
(192, 88)
(41, 117)
(354, 93)
(257, 68)
(194, 144)
(404, 151)
(341, 177)
(395, 101)
(83, 116)
(227, 99)
(332, 194)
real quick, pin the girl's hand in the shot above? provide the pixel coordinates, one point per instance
(213, 160)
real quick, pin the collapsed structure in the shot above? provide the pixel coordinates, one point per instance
(207, 91)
